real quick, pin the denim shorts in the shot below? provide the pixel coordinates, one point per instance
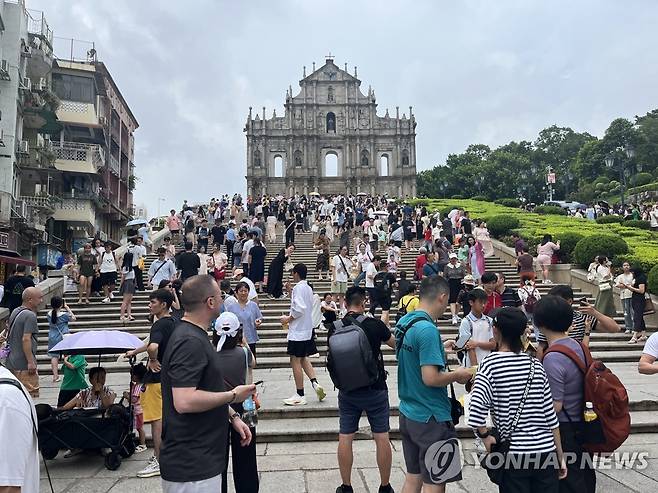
(351, 405)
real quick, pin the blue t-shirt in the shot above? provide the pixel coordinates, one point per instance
(421, 346)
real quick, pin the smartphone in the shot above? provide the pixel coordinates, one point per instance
(584, 302)
(260, 382)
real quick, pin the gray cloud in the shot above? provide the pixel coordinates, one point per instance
(475, 71)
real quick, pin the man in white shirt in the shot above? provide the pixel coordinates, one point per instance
(246, 247)
(161, 269)
(19, 467)
(138, 250)
(300, 337)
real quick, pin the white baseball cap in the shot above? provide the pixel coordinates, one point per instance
(227, 322)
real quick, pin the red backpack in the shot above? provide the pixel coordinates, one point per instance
(608, 396)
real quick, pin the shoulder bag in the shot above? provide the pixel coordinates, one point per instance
(496, 470)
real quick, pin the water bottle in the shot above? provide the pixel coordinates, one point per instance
(250, 415)
(589, 414)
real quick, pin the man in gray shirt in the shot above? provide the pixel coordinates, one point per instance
(22, 339)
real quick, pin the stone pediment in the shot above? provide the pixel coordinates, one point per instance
(329, 72)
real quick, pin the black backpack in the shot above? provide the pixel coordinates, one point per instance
(402, 311)
(350, 358)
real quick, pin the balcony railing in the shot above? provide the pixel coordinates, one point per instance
(80, 152)
(37, 25)
(115, 166)
(39, 201)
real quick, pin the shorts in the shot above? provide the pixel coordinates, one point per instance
(339, 287)
(29, 380)
(139, 421)
(544, 260)
(384, 300)
(420, 438)
(127, 287)
(455, 288)
(108, 278)
(373, 402)
(301, 349)
(527, 276)
(210, 485)
(152, 402)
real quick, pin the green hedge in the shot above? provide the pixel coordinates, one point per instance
(550, 209)
(637, 223)
(480, 198)
(457, 196)
(652, 283)
(592, 246)
(501, 225)
(641, 179)
(568, 241)
(610, 219)
(642, 244)
(508, 202)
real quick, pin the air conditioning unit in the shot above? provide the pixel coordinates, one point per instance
(43, 84)
(40, 141)
(24, 147)
(27, 83)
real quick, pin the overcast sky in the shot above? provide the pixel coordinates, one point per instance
(477, 71)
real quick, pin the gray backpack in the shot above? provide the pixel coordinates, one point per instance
(350, 358)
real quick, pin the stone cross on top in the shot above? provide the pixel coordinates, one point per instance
(329, 57)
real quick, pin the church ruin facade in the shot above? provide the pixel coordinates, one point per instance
(330, 140)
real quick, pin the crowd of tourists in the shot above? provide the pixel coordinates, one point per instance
(521, 356)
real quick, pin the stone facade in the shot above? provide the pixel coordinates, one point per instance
(330, 140)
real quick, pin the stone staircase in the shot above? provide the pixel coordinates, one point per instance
(317, 421)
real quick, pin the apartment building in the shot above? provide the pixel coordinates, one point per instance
(66, 144)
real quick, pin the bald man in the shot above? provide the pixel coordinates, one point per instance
(23, 329)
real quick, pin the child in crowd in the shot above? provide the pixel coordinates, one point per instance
(137, 374)
(468, 284)
(382, 236)
(477, 330)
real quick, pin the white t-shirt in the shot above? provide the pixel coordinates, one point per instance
(301, 311)
(18, 448)
(651, 346)
(342, 275)
(138, 252)
(481, 330)
(653, 217)
(625, 279)
(108, 262)
(371, 271)
(246, 247)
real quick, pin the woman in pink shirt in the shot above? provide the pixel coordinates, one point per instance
(173, 224)
(545, 253)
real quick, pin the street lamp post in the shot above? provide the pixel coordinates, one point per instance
(610, 160)
(159, 220)
(478, 183)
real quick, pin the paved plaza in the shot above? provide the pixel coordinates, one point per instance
(300, 467)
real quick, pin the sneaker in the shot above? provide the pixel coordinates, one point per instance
(454, 320)
(140, 448)
(151, 469)
(72, 453)
(319, 390)
(111, 296)
(314, 355)
(295, 400)
(106, 300)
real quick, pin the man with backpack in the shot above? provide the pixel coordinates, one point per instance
(426, 416)
(384, 282)
(356, 366)
(554, 316)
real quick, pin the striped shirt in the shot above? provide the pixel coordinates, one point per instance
(577, 329)
(499, 385)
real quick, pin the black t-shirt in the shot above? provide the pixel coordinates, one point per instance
(218, 233)
(378, 334)
(188, 263)
(384, 282)
(640, 279)
(193, 444)
(466, 226)
(14, 287)
(161, 331)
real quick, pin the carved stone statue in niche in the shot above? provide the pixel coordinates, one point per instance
(364, 158)
(298, 158)
(257, 161)
(330, 95)
(320, 119)
(405, 157)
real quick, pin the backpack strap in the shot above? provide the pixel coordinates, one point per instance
(401, 330)
(571, 354)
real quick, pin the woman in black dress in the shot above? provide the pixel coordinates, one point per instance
(276, 270)
(256, 261)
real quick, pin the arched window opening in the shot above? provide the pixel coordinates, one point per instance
(278, 167)
(331, 165)
(331, 122)
(365, 161)
(383, 165)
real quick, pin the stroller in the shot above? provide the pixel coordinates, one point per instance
(112, 428)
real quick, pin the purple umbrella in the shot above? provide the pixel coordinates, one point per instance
(97, 342)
